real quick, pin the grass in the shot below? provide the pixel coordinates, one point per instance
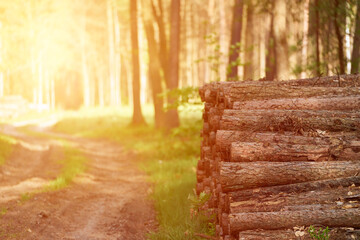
(168, 158)
(6, 147)
(25, 197)
(3, 211)
(73, 164)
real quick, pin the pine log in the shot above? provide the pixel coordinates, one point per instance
(289, 120)
(279, 152)
(260, 193)
(323, 199)
(289, 219)
(206, 152)
(264, 92)
(224, 138)
(334, 103)
(335, 233)
(238, 175)
(217, 90)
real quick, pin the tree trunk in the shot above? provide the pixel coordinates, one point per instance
(333, 103)
(290, 219)
(234, 51)
(138, 118)
(314, 36)
(261, 193)
(340, 38)
(281, 45)
(298, 121)
(236, 176)
(355, 58)
(270, 61)
(163, 49)
(305, 40)
(172, 115)
(279, 152)
(154, 75)
(249, 43)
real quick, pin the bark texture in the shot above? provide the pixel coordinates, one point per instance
(289, 219)
(237, 176)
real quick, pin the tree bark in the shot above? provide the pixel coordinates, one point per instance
(237, 176)
(315, 103)
(322, 199)
(154, 75)
(264, 192)
(234, 51)
(281, 45)
(355, 57)
(172, 115)
(138, 118)
(340, 38)
(298, 121)
(225, 138)
(247, 92)
(215, 92)
(249, 42)
(280, 152)
(163, 49)
(270, 61)
(290, 219)
(335, 233)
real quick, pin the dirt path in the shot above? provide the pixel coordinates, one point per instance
(109, 201)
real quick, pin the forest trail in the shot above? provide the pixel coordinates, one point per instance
(108, 201)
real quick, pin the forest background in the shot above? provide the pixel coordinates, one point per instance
(151, 56)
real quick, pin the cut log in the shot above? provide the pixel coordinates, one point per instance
(289, 219)
(323, 199)
(334, 103)
(279, 152)
(290, 120)
(259, 193)
(224, 138)
(237, 176)
(303, 234)
(211, 92)
(248, 92)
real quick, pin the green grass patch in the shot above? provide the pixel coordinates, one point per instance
(168, 158)
(6, 147)
(25, 197)
(73, 164)
(3, 211)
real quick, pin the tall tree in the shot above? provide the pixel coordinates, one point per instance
(305, 39)
(270, 58)
(281, 44)
(154, 68)
(355, 57)
(249, 42)
(158, 14)
(314, 36)
(232, 71)
(138, 118)
(172, 114)
(339, 18)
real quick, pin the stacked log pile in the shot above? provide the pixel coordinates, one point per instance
(279, 156)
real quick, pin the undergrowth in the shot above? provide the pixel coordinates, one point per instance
(169, 159)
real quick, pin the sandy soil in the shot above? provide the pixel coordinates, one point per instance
(109, 201)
